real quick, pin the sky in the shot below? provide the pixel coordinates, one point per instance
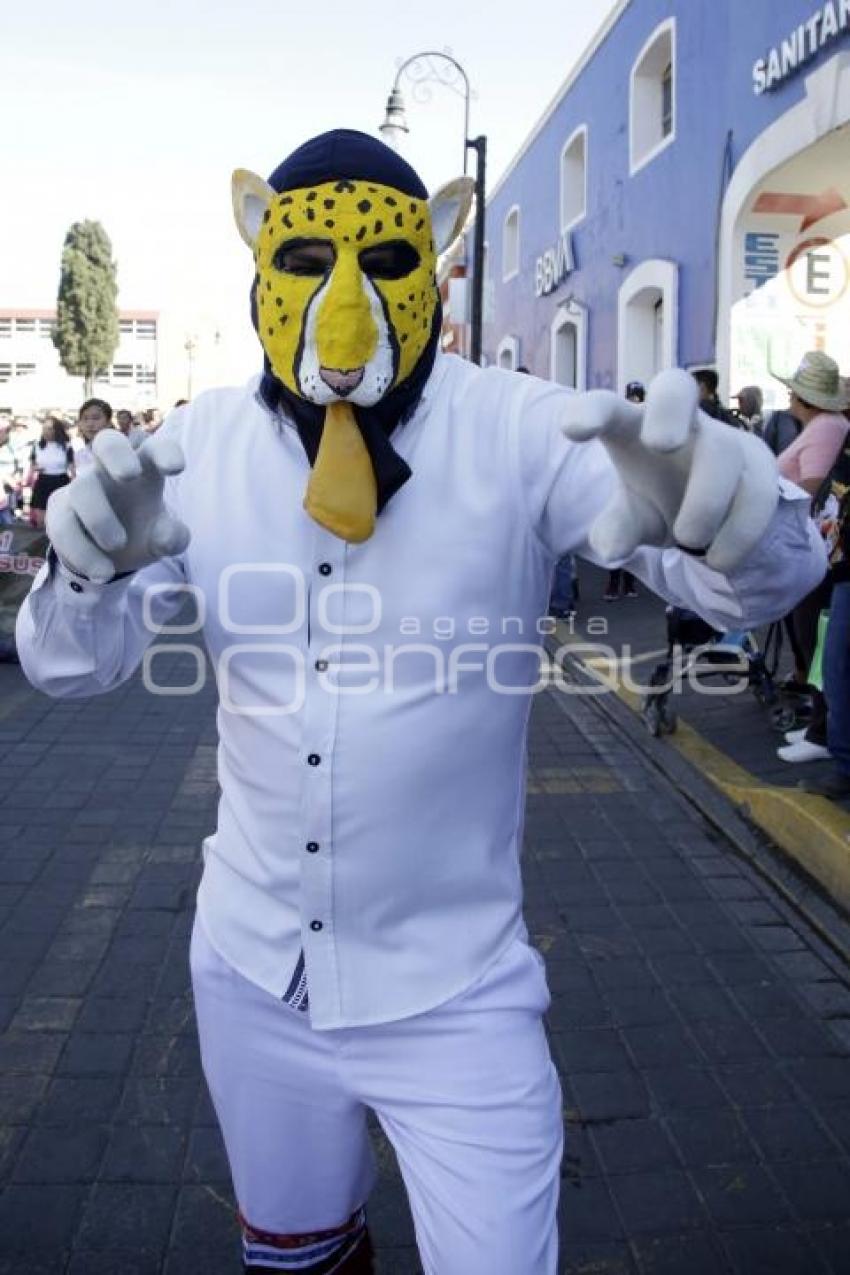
(136, 115)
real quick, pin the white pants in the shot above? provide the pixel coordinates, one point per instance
(466, 1093)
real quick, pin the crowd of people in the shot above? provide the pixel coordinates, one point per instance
(41, 453)
(811, 441)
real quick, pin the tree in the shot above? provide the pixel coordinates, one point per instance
(87, 332)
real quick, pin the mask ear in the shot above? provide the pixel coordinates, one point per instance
(449, 210)
(251, 198)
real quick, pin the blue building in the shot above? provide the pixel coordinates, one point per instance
(685, 200)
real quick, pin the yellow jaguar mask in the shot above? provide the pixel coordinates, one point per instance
(345, 299)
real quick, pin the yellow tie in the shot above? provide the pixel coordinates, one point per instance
(342, 494)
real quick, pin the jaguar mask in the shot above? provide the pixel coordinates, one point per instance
(346, 305)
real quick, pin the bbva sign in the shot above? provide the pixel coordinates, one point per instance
(553, 266)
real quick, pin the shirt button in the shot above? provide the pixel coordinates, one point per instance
(315, 925)
(75, 587)
(313, 759)
(312, 847)
(325, 569)
(321, 665)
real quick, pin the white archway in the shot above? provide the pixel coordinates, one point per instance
(826, 106)
(507, 354)
(568, 346)
(647, 321)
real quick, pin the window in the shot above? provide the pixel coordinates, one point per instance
(145, 375)
(652, 96)
(574, 179)
(489, 298)
(510, 244)
(24, 369)
(507, 355)
(667, 100)
(24, 326)
(125, 327)
(46, 328)
(5, 372)
(102, 376)
(146, 329)
(5, 328)
(122, 371)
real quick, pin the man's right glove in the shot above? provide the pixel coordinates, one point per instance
(111, 520)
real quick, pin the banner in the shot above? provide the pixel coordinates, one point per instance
(22, 553)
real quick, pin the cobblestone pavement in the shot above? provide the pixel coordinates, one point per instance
(701, 1029)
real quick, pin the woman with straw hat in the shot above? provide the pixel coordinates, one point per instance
(818, 397)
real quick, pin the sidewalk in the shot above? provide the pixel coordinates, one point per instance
(728, 737)
(701, 1029)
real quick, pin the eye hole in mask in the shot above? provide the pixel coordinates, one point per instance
(311, 258)
(391, 260)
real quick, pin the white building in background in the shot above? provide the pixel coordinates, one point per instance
(162, 356)
(32, 378)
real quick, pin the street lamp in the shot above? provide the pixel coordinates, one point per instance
(423, 69)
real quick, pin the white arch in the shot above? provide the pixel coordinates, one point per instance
(645, 97)
(507, 354)
(580, 132)
(825, 107)
(657, 279)
(511, 242)
(575, 315)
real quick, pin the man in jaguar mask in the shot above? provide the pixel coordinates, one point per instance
(359, 942)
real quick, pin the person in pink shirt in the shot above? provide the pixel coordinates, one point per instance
(818, 397)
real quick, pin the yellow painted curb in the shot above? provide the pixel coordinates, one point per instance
(811, 830)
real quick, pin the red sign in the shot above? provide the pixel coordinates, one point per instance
(813, 207)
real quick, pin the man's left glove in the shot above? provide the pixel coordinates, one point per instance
(685, 478)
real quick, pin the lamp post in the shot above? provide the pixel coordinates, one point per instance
(424, 69)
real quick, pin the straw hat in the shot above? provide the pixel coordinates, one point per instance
(818, 381)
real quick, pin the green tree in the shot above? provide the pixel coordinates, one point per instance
(87, 333)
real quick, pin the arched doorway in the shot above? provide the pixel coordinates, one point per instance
(794, 156)
(647, 322)
(791, 247)
(568, 346)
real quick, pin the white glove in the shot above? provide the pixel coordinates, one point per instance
(685, 478)
(111, 519)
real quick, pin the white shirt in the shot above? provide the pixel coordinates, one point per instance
(371, 813)
(51, 459)
(83, 458)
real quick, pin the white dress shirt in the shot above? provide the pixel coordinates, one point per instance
(372, 770)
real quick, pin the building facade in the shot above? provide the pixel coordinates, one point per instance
(32, 378)
(684, 201)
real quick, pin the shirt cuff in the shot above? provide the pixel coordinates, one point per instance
(81, 593)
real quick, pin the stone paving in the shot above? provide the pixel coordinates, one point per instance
(700, 1027)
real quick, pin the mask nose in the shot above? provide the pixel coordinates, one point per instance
(346, 334)
(340, 382)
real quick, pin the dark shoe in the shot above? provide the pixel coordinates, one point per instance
(608, 596)
(835, 786)
(631, 593)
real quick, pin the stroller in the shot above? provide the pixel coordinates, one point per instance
(704, 654)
